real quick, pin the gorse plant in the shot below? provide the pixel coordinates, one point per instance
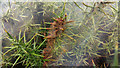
(92, 39)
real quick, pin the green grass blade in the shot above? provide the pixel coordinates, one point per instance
(78, 6)
(8, 34)
(63, 12)
(41, 44)
(31, 39)
(9, 50)
(115, 62)
(37, 55)
(16, 61)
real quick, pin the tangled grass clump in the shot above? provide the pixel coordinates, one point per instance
(92, 39)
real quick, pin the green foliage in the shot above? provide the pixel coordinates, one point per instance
(27, 53)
